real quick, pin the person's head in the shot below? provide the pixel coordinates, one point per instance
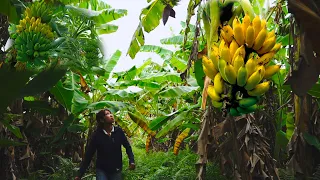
(104, 117)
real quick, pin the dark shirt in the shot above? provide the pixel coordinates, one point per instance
(109, 154)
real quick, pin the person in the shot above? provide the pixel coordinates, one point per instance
(107, 141)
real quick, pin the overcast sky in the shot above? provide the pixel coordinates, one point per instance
(120, 40)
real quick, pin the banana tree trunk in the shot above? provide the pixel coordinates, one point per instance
(302, 159)
(203, 142)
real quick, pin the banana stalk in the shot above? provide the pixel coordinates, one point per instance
(206, 24)
(215, 21)
(246, 6)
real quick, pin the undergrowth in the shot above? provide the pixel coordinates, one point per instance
(151, 166)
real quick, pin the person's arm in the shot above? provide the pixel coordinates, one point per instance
(91, 149)
(127, 145)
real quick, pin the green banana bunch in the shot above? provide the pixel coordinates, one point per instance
(32, 47)
(92, 52)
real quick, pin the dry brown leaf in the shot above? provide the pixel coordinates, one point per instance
(84, 86)
(27, 154)
(221, 128)
(255, 159)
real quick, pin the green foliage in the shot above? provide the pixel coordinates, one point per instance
(165, 165)
(8, 9)
(60, 168)
(150, 19)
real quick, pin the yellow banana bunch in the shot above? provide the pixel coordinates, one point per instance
(241, 59)
(34, 25)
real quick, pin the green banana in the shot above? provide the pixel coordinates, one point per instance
(234, 112)
(247, 102)
(217, 104)
(242, 76)
(247, 110)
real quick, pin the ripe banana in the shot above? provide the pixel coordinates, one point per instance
(238, 34)
(253, 80)
(233, 48)
(208, 72)
(250, 66)
(256, 23)
(260, 89)
(238, 62)
(221, 65)
(230, 74)
(250, 36)
(258, 42)
(214, 56)
(267, 45)
(225, 54)
(227, 33)
(263, 23)
(242, 76)
(276, 47)
(247, 102)
(221, 46)
(208, 67)
(271, 70)
(266, 58)
(271, 34)
(241, 51)
(213, 94)
(263, 70)
(245, 24)
(218, 83)
(235, 22)
(207, 63)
